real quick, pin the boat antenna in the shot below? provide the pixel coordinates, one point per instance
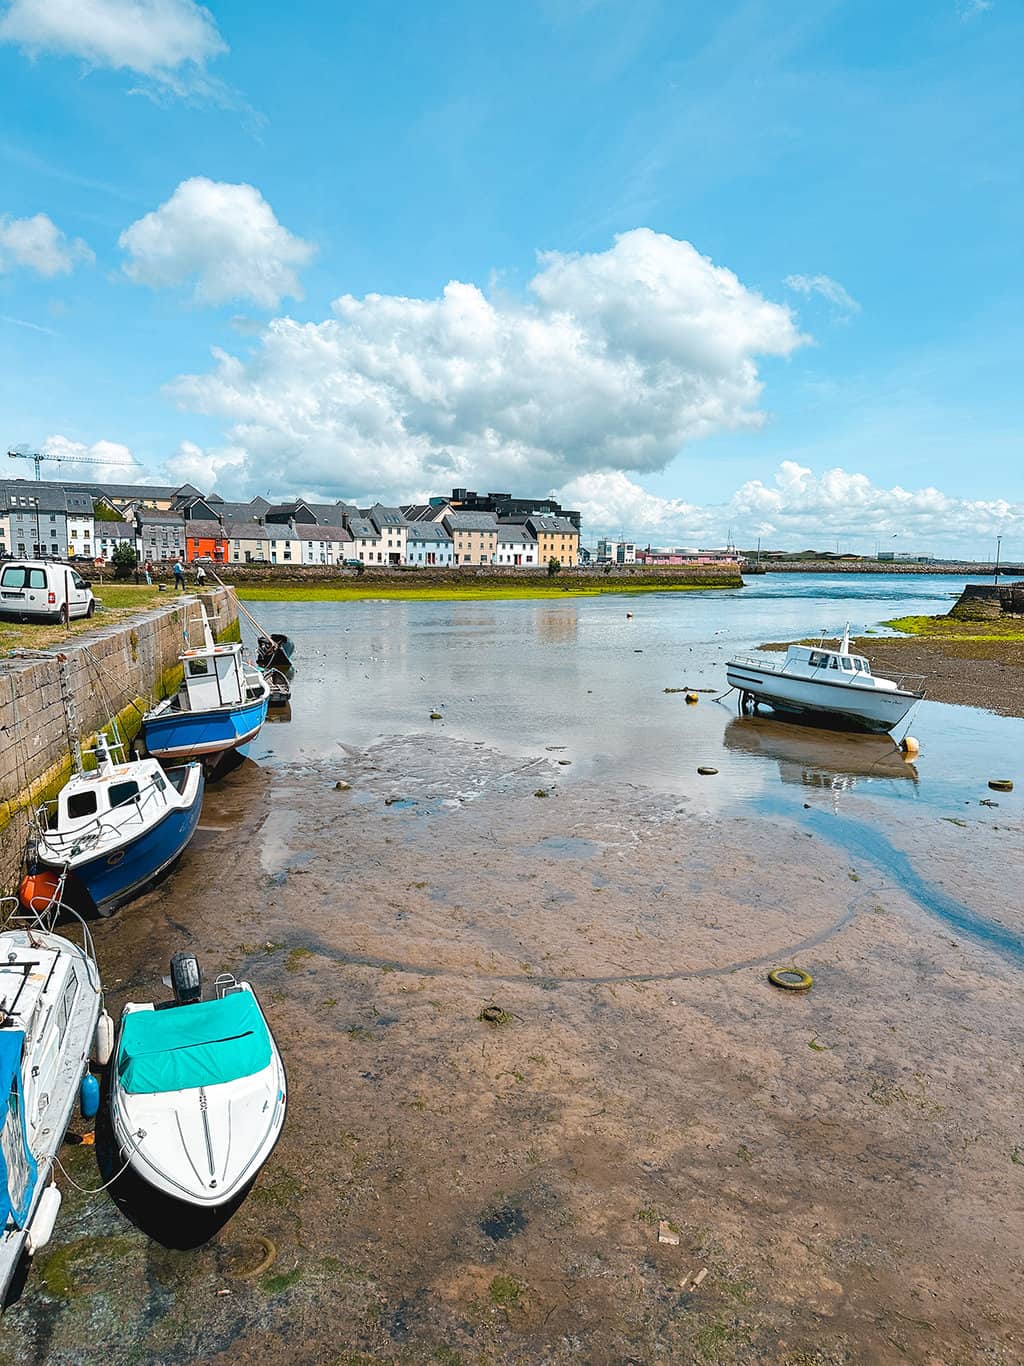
(844, 644)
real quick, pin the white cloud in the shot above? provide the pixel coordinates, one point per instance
(616, 360)
(38, 244)
(796, 509)
(222, 470)
(223, 236)
(828, 288)
(970, 9)
(116, 463)
(166, 41)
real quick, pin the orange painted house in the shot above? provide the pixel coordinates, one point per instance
(205, 541)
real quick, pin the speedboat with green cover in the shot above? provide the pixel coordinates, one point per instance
(50, 1001)
(198, 1093)
(115, 829)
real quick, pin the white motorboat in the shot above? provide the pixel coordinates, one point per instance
(831, 684)
(116, 828)
(50, 1002)
(198, 1091)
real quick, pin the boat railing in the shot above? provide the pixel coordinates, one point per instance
(15, 915)
(766, 660)
(911, 683)
(94, 831)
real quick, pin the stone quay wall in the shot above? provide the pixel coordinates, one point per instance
(986, 601)
(114, 672)
(711, 575)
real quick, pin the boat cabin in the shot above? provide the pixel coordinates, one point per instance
(85, 800)
(214, 677)
(843, 667)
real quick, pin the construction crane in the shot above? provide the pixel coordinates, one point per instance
(39, 456)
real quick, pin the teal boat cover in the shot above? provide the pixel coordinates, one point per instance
(17, 1165)
(195, 1045)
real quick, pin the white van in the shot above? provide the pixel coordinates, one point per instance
(46, 590)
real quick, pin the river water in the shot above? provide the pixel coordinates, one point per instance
(584, 679)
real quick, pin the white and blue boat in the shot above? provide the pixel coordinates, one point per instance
(50, 1002)
(220, 706)
(115, 829)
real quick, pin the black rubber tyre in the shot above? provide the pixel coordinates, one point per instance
(91, 608)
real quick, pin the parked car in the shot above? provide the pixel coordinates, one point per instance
(351, 564)
(45, 590)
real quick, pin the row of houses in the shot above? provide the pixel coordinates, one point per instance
(164, 524)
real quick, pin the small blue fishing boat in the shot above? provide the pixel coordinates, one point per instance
(220, 706)
(117, 828)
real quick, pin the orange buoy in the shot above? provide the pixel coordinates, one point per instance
(38, 890)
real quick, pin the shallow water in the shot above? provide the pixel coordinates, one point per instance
(584, 683)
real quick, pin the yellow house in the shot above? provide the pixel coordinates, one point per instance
(474, 536)
(557, 539)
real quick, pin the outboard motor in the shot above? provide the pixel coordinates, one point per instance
(186, 978)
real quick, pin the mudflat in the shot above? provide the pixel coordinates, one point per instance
(836, 1175)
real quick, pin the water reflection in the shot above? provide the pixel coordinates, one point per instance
(831, 760)
(555, 625)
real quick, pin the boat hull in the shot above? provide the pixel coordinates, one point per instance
(868, 709)
(114, 877)
(275, 651)
(202, 1146)
(198, 735)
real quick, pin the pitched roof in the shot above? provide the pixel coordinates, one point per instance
(557, 525)
(202, 527)
(386, 516)
(428, 531)
(471, 521)
(307, 531)
(362, 529)
(154, 515)
(513, 533)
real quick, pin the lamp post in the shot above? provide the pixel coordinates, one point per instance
(38, 551)
(999, 545)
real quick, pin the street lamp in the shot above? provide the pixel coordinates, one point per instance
(999, 544)
(38, 552)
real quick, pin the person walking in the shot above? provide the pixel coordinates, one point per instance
(179, 576)
(149, 572)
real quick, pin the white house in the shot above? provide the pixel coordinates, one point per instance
(109, 535)
(515, 545)
(616, 552)
(391, 524)
(80, 525)
(323, 544)
(252, 543)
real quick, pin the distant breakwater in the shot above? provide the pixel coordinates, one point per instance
(111, 673)
(959, 570)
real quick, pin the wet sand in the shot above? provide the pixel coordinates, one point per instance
(845, 1165)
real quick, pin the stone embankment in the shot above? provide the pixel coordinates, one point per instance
(322, 576)
(110, 673)
(987, 601)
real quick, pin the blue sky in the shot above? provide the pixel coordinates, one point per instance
(867, 154)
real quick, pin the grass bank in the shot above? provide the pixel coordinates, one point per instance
(955, 628)
(114, 602)
(486, 592)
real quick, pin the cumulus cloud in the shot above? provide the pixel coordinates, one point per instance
(222, 470)
(614, 361)
(38, 244)
(829, 289)
(970, 9)
(224, 237)
(797, 508)
(168, 42)
(116, 461)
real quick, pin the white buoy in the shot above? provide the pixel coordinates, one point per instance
(103, 1042)
(909, 745)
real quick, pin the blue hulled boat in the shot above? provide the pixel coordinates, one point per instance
(220, 706)
(117, 828)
